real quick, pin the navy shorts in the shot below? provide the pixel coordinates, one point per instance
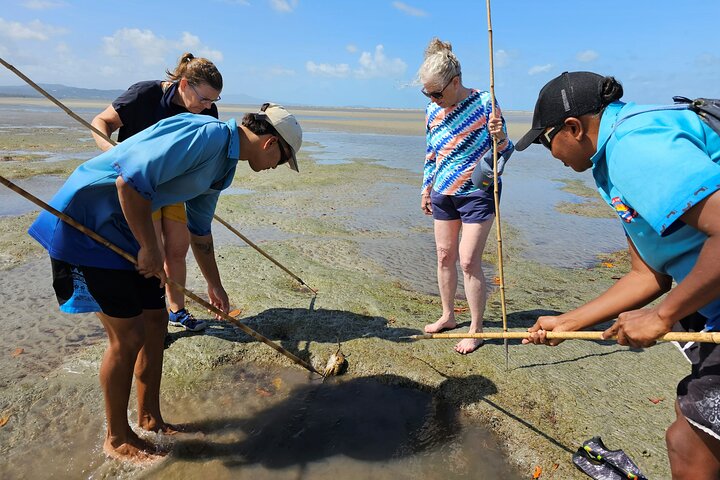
(477, 207)
(116, 293)
(698, 394)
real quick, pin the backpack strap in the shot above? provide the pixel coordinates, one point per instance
(677, 106)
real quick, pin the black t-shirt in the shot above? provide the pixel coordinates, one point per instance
(145, 103)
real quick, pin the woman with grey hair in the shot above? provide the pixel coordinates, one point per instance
(457, 180)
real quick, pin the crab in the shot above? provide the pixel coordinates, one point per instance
(336, 364)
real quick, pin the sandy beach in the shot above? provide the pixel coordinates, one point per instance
(348, 230)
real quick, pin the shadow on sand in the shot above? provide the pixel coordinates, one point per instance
(375, 418)
(292, 327)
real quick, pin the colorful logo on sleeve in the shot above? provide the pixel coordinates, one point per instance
(623, 211)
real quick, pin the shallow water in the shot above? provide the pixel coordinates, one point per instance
(267, 423)
(41, 186)
(530, 193)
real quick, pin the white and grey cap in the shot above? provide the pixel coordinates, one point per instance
(287, 126)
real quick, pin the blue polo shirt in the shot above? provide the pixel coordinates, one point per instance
(185, 158)
(651, 169)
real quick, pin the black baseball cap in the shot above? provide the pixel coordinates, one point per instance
(571, 94)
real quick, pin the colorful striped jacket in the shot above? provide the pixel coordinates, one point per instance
(457, 138)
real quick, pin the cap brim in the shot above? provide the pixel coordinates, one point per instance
(292, 161)
(530, 137)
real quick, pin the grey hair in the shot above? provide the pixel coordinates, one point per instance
(440, 63)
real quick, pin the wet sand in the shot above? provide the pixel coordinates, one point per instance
(376, 280)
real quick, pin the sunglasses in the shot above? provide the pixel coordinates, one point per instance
(439, 94)
(201, 98)
(547, 136)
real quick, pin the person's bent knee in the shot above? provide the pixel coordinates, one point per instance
(128, 342)
(687, 456)
(675, 448)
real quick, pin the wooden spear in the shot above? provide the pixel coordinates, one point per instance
(103, 241)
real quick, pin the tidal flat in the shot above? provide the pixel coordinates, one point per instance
(354, 232)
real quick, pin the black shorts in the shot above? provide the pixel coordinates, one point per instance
(117, 293)
(698, 394)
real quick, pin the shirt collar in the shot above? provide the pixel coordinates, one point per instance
(607, 126)
(234, 146)
(166, 100)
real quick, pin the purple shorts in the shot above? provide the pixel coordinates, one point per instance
(477, 207)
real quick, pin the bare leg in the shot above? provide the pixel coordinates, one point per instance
(148, 372)
(177, 242)
(446, 244)
(693, 453)
(472, 244)
(126, 337)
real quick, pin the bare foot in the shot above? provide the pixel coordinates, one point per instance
(129, 452)
(442, 324)
(468, 345)
(162, 427)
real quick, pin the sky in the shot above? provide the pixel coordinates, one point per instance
(367, 52)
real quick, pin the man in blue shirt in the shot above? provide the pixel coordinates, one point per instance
(186, 158)
(659, 169)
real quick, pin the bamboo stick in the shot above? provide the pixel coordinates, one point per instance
(496, 191)
(103, 241)
(700, 337)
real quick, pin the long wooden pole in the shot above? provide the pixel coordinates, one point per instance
(496, 192)
(103, 241)
(113, 142)
(263, 253)
(700, 337)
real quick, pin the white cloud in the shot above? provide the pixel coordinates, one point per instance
(708, 60)
(540, 69)
(34, 30)
(284, 6)
(135, 46)
(191, 43)
(42, 4)
(351, 48)
(378, 65)
(587, 56)
(370, 65)
(501, 58)
(325, 69)
(407, 9)
(281, 72)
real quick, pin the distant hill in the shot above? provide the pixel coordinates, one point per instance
(75, 93)
(59, 91)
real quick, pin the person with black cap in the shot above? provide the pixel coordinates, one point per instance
(185, 158)
(659, 169)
